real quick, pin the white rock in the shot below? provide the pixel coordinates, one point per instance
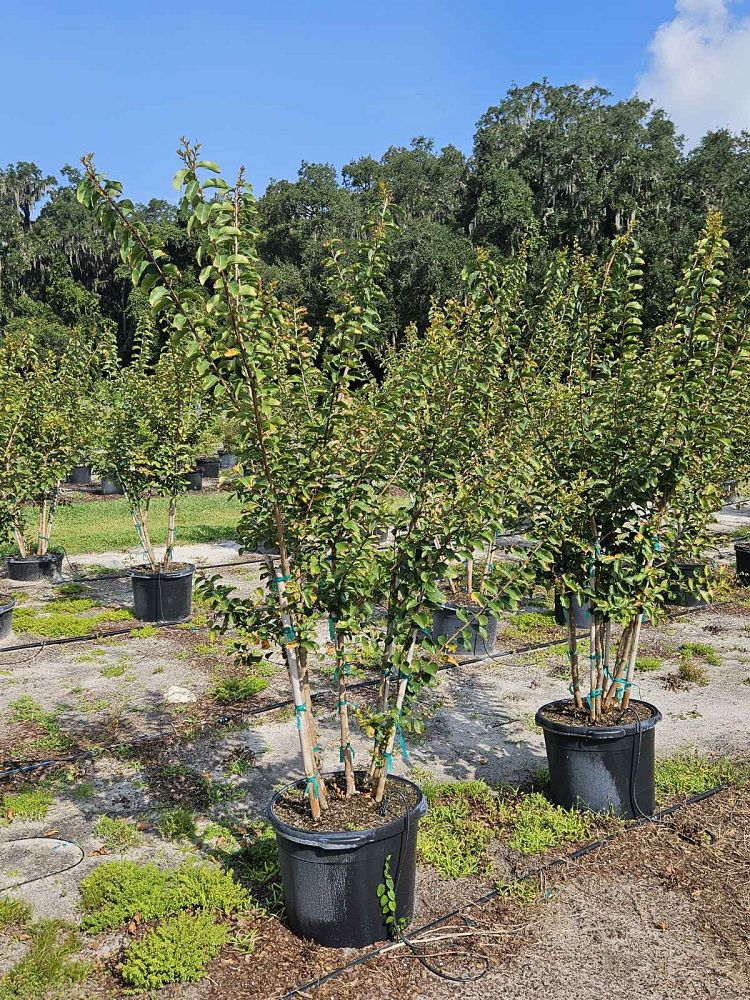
(176, 695)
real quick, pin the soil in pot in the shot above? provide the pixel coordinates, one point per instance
(331, 878)
(7, 603)
(163, 596)
(465, 634)
(356, 813)
(607, 767)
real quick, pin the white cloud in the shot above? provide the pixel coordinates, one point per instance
(699, 68)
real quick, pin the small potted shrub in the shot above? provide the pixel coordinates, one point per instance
(153, 423)
(322, 446)
(631, 428)
(44, 385)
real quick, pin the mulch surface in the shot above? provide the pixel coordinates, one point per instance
(701, 853)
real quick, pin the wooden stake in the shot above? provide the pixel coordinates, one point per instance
(575, 672)
(631, 662)
(381, 772)
(171, 532)
(345, 745)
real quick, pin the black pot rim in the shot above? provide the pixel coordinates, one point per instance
(470, 609)
(7, 603)
(144, 573)
(207, 459)
(597, 732)
(742, 546)
(343, 840)
(28, 560)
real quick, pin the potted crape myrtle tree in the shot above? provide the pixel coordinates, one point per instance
(44, 384)
(148, 447)
(320, 445)
(633, 427)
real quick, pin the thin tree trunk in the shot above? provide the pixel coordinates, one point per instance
(171, 532)
(575, 672)
(621, 661)
(470, 576)
(381, 772)
(21, 542)
(140, 519)
(631, 662)
(345, 743)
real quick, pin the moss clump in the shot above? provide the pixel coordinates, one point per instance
(647, 664)
(177, 951)
(117, 834)
(33, 804)
(463, 818)
(539, 825)
(689, 774)
(529, 625)
(66, 618)
(48, 966)
(115, 891)
(237, 688)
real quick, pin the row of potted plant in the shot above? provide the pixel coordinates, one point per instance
(553, 413)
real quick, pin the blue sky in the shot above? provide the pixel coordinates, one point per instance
(268, 84)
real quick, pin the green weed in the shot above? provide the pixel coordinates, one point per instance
(237, 688)
(529, 625)
(47, 966)
(539, 825)
(33, 804)
(703, 651)
(689, 774)
(647, 664)
(176, 951)
(117, 834)
(177, 824)
(462, 820)
(14, 912)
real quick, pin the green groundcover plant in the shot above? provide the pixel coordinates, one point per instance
(340, 434)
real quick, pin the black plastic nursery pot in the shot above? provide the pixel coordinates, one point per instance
(581, 612)
(194, 480)
(110, 488)
(331, 880)
(80, 475)
(227, 460)
(742, 561)
(7, 603)
(602, 768)
(163, 596)
(29, 569)
(445, 622)
(209, 467)
(681, 596)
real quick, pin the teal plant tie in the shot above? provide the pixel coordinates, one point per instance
(388, 762)
(402, 743)
(594, 693)
(312, 780)
(342, 752)
(289, 633)
(299, 711)
(332, 627)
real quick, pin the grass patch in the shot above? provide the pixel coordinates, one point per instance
(116, 669)
(30, 805)
(539, 825)
(115, 891)
(177, 824)
(462, 820)
(144, 632)
(48, 965)
(80, 526)
(117, 834)
(258, 863)
(14, 912)
(647, 664)
(176, 951)
(689, 774)
(692, 672)
(237, 688)
(72, 589)
(703, 651)
(523, 891)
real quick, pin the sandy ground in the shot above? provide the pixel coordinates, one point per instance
(479, 723)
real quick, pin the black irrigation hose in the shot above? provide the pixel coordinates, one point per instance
(581, 852)
(59, 871)
(237, 716)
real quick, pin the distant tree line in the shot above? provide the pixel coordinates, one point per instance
(564, 164)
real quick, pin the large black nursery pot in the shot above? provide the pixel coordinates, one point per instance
(110, 488)
(602, 768)
(446, 623)
(681, 595)
(80, 475)
(209, 466)
(194, 480)
(331, 880)
(163, 595)
(227, 460)
(742, 560)
(30, 569)
(581, 612)
(7, 603)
